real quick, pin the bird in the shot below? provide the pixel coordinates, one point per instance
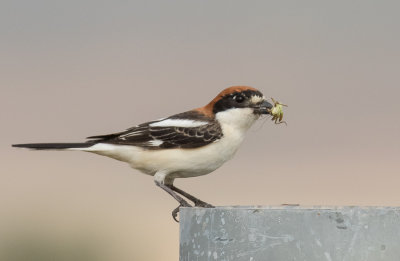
(187, 144)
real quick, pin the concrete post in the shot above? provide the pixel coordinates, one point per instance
(290, 233)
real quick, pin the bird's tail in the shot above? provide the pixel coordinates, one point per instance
(54, 146)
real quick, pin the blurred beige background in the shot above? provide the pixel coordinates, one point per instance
(71, 69)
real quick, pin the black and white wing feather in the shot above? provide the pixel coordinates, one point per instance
(186, 130)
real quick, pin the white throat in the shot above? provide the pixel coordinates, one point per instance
(239, 119)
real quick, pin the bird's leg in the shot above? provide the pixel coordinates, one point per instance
(167, 188)
(197, 202)
(182, 202)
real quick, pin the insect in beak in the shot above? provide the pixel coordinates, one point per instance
(277, 112)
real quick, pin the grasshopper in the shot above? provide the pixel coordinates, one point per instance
(277, 112)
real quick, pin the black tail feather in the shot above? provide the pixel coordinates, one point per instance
(53, 146)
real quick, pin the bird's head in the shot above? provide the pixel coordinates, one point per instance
(238, 106)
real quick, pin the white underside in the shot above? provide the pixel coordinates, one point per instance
(182, 163)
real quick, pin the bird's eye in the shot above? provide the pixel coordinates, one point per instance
(239, 98)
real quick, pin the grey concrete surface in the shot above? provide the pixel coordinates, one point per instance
(290, 233)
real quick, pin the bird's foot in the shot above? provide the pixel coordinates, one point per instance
(176, 210)
(202, 204)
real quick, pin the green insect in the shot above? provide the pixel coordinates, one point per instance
(277, 112)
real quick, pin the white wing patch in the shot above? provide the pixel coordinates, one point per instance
(155, 143)
(178, 123)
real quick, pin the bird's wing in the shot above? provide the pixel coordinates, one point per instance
(178, 131)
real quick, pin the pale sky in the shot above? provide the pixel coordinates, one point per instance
(72, 69)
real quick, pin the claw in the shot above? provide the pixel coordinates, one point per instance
(176, 210)
(175, 214)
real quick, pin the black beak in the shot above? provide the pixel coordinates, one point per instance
(263, 108)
